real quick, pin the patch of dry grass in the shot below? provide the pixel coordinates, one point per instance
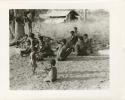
(77, 73)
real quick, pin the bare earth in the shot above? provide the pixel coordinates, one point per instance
(77, 73)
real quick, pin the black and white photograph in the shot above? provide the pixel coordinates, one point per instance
(59, 49)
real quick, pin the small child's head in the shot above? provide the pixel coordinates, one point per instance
(34, 49)
(85, 36)
(53, 62)
(72, 33)
(75, 28)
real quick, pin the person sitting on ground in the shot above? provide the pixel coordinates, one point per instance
(79, 47)
(51, 72)
(60, 43)
(67, 47)
(33, 42)
(41, 46)
(76, 31)
(46, 49)
(61, 53)
(33, 62)
(23, 41)
(41, 42)
(20, 42)
(72, 40)
(91, 45)
(85, 44)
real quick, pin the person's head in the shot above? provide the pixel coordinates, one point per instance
(91, 39)
(75, 28)
(85, 36)
(53, 62)
(80, 38)
(72, 33)
(40, 37)
(34, 49)
(64, 41)
(26, 36)
(31, 35)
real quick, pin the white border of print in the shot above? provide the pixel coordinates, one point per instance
(116, 90)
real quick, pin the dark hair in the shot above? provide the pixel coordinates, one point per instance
(40, 37)
(72, 32)
(64, 41)
(85, 35)
(75, 27)
(53, 62)
(91, 39)
(34, 49)
(31, 35)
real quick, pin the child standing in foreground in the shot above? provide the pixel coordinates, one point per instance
(33, 59)
(51, 72)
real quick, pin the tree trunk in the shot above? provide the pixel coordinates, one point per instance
(19, 24)
(21, 27)
(19, 30)
(12, 30)
(27, 29)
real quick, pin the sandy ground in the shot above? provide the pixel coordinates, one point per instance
(90, 72)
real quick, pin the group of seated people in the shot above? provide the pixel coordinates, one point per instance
(39, 48)
(80, 45)
(29, 42)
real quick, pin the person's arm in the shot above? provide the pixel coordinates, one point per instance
(47, 70)
(37, 45)
(31, 43)
(59, 42)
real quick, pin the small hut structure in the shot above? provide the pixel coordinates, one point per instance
(60, 16)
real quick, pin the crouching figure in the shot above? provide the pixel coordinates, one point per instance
(51, 72)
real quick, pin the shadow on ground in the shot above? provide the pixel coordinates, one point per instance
(86, 58)
(82, 72)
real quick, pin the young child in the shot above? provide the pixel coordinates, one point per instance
(33, 59)
(51, 72)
